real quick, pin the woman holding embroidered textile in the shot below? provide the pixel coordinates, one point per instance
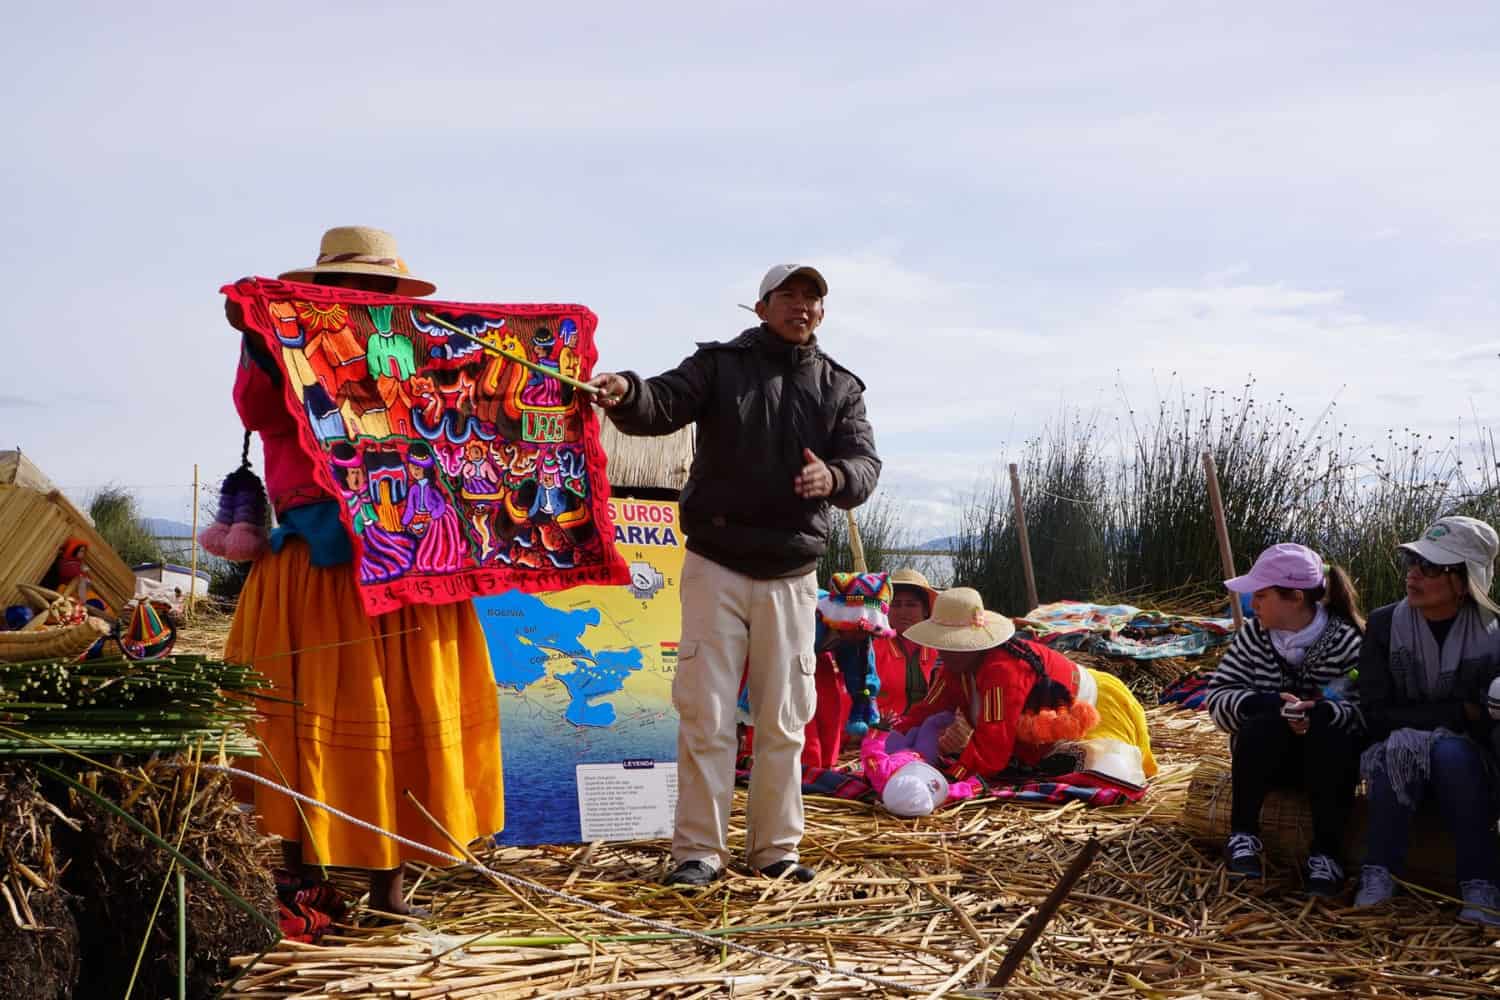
(404, 700)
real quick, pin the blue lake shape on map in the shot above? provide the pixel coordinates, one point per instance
(522, 631)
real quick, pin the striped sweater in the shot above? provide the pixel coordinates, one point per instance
(1253, 667)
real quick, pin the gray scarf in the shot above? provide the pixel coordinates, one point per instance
(1423, 672)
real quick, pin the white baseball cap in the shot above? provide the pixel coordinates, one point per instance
(1455, 539)
(782, 273)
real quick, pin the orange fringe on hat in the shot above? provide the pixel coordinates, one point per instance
(1053, 724)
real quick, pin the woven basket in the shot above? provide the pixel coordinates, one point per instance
(63, 643)
(1286, 827)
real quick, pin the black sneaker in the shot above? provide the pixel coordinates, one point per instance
(788, 869)
(1325, 877)
(1242, 856)
(692, 874)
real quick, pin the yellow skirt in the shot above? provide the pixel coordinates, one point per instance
(406, 700)
(1121, 717)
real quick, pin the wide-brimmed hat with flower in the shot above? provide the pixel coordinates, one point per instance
(959, 624)
(362, 250)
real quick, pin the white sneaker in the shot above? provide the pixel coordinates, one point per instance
(1481, 903)
(1375, 886)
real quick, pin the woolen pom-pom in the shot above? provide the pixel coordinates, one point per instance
(245, 542)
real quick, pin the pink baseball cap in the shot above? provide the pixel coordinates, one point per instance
(1284, 565)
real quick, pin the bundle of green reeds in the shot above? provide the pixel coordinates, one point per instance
(116, 705)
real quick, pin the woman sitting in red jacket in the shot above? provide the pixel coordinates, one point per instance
(1007, 698)
(905, 668)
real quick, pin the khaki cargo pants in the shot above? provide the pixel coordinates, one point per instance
(725, 616)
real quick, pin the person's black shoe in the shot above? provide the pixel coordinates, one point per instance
(788, 869)
(692, 874)
(1242, 856)
(1325, 878)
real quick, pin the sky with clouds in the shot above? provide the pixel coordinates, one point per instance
(1019, 207)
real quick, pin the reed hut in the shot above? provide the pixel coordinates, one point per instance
(35, 520)
(647, 468)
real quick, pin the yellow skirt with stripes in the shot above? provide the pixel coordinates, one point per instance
(405, 700)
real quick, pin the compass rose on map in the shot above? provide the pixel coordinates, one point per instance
(645, 580)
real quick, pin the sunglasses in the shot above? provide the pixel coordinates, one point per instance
(1410, 560)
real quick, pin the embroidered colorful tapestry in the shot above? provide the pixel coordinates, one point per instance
(462, 472)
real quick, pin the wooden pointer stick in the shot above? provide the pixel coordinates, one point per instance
(523, 362)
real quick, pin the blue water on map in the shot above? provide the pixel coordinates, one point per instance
(545, 733)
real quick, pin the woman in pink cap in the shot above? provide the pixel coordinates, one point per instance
(1284, 693)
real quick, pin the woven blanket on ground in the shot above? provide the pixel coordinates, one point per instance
(462, 473)
(1190, 690)
(1123, 630)
(1085, 788)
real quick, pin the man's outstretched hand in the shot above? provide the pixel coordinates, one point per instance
(815, 480)
(612, 389)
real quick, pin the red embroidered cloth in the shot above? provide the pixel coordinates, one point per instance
(462, 473)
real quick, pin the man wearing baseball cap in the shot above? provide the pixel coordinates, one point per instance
(1424, 675)
(781, 437)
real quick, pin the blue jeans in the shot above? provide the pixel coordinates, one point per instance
(1463, 793)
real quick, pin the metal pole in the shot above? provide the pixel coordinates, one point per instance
(1015, 495)
(1221, 528)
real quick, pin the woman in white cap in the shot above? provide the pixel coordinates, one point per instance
(1284, 694)
(1427, 664)
(1011, 699)
(405, 700)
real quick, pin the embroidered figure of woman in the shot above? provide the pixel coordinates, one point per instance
(542, 390)
(429, 517)
(351, 477)
(385, 554)
(482, 496)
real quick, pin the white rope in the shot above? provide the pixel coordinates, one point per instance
(542, 890)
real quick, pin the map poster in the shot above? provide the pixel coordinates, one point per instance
(585, 675)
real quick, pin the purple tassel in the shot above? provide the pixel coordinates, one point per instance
(239, 529)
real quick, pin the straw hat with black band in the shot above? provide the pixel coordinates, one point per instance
(362, 250)
(916, 581)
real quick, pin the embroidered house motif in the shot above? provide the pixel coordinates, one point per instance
(462, 472)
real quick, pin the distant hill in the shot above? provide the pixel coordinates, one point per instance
(164, 527)
(944, 544)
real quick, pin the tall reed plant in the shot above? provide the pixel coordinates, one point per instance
(1127, 512)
